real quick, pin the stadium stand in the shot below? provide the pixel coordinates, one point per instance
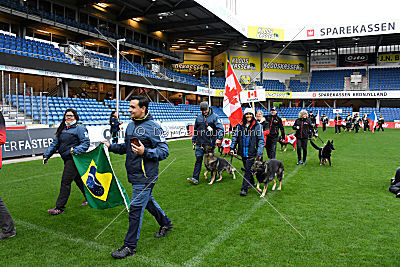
(219, 111)
(194, 109)
(16, 5)
(390, 114)
(272, 85)
(31, 48)
(331, 80)
(47, 51)
(298, 86)
(109, 63)
(215, 82)
(159, 111)
(90, 111)
(384, 79)
(293, 113)
(183, 78)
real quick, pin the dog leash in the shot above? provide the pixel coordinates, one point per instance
(321, 139)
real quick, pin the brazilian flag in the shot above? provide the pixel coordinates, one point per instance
(102, 188)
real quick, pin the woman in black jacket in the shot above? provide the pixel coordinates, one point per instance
(303, 129)
(71, 138)
(249, 139)
(114, 127)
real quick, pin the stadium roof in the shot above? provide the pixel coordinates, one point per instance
(181, 20)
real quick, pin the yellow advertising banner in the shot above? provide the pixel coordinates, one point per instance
(219, 92)
(389, 58)
(245, 63)
(195, 66)
(278, 94)
(284, 66)
(220, 62)
(265, 33)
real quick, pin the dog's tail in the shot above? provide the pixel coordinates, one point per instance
(314, 145)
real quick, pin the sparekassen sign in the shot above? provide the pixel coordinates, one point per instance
(346, 94)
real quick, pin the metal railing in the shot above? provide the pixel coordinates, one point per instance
(12, 102)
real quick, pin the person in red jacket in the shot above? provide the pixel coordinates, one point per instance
(338, 124)
(6, 221)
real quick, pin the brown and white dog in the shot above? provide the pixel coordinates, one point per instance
(215, 164)
(289, 139)
(267, 171)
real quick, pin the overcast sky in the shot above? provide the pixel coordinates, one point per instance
(290, 13)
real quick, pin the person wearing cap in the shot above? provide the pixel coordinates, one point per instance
(273, 125)
(248, 136)
(208, 130)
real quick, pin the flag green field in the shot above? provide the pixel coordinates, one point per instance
(102, 188)
(345, 212)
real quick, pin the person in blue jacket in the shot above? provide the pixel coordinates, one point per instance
(249, 138)
(71, 138)
(114, 127)
(145, 146)
(208, 130)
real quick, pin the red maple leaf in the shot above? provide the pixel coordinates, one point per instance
(231, 94)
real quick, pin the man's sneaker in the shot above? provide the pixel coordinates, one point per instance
(304, 163)
(84, 203)
(299, 162)
(123, 252)
(55, 211)
(164, 230)
(243, 193)
(193, 181)
(8, 235)
(398, 195)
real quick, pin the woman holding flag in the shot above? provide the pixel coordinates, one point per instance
(71, 138)
(250, 140)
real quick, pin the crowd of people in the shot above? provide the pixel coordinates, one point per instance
(354, 123)
(144, 148)
(249, 138)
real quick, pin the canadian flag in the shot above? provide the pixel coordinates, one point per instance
(231, 104)
(252, 93)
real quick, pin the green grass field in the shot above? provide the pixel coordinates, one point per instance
(345, 213)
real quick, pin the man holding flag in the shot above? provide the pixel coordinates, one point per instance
(372, 120)
(144, 147)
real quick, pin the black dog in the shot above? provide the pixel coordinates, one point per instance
(266, 171)
(215, 164)
(325, 152)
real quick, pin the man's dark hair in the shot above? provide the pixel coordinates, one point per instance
(143, 101)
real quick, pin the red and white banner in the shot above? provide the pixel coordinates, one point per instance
(257, 95)
(231, 104)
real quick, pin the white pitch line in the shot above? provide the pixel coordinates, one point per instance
(211, 246)
(90, 244)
